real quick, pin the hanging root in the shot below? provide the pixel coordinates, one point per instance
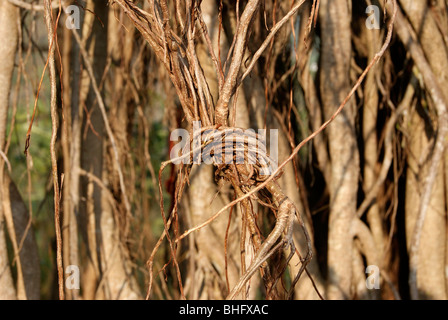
(283, 231)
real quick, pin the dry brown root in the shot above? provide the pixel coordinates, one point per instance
(279, 238)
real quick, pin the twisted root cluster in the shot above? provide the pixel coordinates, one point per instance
(236, 153)
(241, 158)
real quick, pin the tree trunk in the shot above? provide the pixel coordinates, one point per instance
(209, 262)
(8, 32)
(107, 254)
(335, 74)
(29, 272)
(431, 277)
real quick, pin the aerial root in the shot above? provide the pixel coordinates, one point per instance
(282, 230)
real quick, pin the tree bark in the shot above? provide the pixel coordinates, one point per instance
(8, 32)
(335, 70)
(71, 152)
(431, 278)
